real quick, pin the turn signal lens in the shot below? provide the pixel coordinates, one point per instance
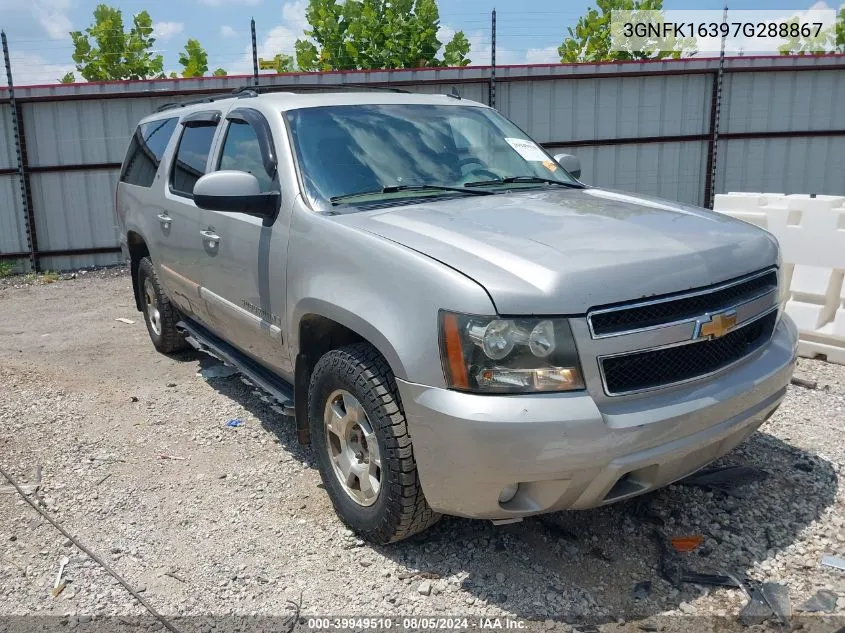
(456, 368)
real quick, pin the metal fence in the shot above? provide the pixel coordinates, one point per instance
(645, 127)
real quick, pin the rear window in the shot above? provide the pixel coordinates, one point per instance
(191, 158)
(145, 152)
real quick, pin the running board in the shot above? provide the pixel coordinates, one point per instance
(204, 341)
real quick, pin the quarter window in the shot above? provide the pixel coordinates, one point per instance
(191, 158)
(242, 151)
(145, 152)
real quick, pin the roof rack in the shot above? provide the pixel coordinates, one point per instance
(255, 90)
(244, 91)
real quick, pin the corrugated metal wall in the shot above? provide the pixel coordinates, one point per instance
(12, 222)
(641, 127)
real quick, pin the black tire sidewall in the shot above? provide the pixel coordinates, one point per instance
(368, 520)
(146, 271)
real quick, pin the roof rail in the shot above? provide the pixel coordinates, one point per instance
(253, 91)
(315, 88)
(207, 99)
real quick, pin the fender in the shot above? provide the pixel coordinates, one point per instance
(355, 322)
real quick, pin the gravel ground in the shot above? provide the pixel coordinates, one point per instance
(238, 525)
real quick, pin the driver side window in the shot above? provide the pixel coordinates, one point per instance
(242, 151)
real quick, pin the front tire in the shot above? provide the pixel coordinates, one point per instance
(160, 315)
(364, 452)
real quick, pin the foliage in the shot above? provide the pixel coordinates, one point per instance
(455, 52)
(7, 269)
(840, 30)
(590, 40)
(283, 63)
(67, 78)
(373, 34)
(219, 72)
(116, 53)
(194, 59)
(807, 45)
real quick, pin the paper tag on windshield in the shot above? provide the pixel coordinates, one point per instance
(527, 149)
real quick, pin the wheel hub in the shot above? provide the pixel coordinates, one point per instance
(352, 447)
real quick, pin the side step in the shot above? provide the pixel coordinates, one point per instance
(204, 341)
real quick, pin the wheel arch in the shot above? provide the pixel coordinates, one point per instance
(138, 249)
(321, 327)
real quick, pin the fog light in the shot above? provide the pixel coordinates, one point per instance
(508, 493)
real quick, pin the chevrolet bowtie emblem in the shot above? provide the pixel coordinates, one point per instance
(716, 325)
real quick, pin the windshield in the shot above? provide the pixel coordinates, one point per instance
(359, 154)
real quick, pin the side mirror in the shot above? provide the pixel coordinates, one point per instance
(570, 163)
(235, 192)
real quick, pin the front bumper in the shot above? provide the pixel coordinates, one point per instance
(566, 452)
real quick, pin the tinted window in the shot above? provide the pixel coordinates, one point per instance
(191, 158)
(241, 150)
(145, 152)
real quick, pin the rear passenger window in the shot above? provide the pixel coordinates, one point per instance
(145, 152)
(242, 151)
(191, 158)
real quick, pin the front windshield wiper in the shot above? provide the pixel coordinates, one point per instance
(398, 188)
(526, 179)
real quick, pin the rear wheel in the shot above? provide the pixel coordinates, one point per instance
(160, 315)
(364, 452)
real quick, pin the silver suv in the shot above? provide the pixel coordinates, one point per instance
(456, 323)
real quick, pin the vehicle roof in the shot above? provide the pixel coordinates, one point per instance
(294, 100)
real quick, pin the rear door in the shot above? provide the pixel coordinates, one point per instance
(243, 276)
(139, 193)
(180, 221)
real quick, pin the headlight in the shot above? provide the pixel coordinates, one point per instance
(493, 355)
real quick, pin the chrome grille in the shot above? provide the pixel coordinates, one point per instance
(616, 320)
(650, 369)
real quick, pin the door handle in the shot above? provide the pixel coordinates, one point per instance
(164, 219)
(211, 237)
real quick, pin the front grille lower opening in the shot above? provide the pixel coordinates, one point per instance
(668, 311)
(655, 368)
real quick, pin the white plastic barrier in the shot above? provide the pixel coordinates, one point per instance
(811, 231)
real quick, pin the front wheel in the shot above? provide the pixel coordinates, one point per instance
(364, 452)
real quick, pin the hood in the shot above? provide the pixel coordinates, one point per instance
(564, 251)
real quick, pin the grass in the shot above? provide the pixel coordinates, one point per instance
(47, 277)
(7, 269)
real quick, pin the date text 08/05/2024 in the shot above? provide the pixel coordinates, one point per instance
(414, 623)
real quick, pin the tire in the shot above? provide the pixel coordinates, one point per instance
(399, 509)
(160, 315)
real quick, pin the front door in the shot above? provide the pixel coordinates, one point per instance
(243, 275)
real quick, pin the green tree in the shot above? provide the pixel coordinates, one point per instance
(456, 50)
(116, 53)
(194, 59)
(283, 63)
(67, 78)
(364, 34)
(590, 40)
(840, 30)
(808, 44)
(219, 72)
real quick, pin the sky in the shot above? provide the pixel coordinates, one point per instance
(527, 33)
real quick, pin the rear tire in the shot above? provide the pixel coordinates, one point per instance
(160, 315)
(353, 393)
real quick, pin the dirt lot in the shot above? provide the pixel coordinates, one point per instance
(239, 524)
